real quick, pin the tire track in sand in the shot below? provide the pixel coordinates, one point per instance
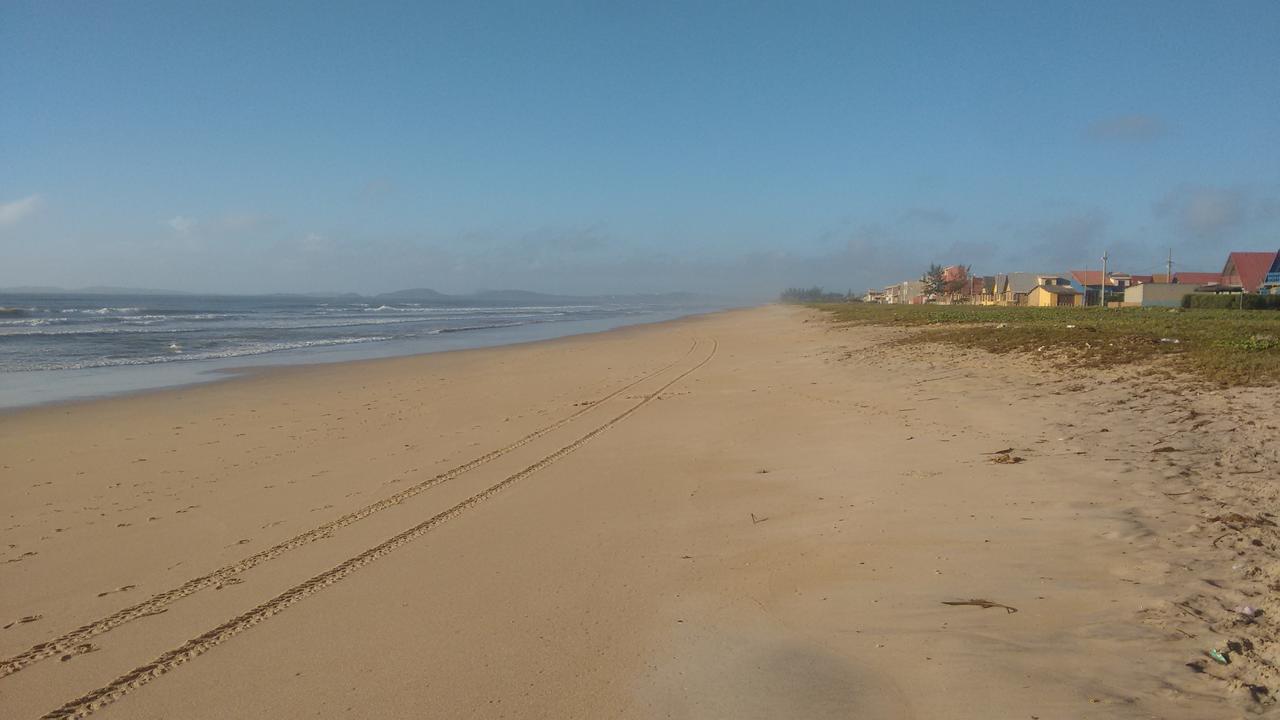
(158, 602)
(143, 674)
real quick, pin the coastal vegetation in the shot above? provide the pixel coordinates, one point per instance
(1224, 347)
(1231, 301)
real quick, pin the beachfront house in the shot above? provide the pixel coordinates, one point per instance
(1271, 283)
(1091, 282)
(1247, 271)
(1157, 294)
(1013, 288)
(904, 292)
(955, 282)
(972, 290)
(1054, 291)
(1188, 278)
(992, 294)
(984, 292)
(961, 287)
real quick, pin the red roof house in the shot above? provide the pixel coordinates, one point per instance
(1196, 278)
(1087, 277)
(1189, 278)
(1247, 269)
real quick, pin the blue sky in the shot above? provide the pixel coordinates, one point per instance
(588, 147)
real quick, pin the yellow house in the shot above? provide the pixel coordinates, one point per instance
(1054, 292)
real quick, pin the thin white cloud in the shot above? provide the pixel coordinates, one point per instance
(13, 212)
(181, 224)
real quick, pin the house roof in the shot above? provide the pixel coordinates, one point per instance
(1024, 282)
(1197, 278)
(1060, 289)
(1094, 277)
(1085, 276)
(1188, 278)
(1250, 268)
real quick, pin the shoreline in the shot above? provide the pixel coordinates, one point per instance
(203, 372)
(749, 513)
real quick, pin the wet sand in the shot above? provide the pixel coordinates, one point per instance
(751, 514)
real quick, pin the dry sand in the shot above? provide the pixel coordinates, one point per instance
(751, 514)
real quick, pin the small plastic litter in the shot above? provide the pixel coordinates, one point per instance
(1247, 611)
(1174, 341)
(1071, 327)
(1218, 657)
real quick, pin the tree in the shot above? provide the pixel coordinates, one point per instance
(932, 280)
(958, 284)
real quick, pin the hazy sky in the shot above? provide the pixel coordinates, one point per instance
(584, 147)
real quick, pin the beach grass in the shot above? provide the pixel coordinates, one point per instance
(1224, 347)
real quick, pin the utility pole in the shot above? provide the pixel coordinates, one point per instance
(1168, 273)
(1102, 293)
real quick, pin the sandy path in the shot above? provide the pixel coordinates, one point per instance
(755, 517)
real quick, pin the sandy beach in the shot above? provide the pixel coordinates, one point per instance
(748, 514)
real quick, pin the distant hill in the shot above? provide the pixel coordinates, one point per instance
(413, 294)
(325, 295)
(32, 290)
(525, 296)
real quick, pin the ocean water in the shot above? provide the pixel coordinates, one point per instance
(59, 347)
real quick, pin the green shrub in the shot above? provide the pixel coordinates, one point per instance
(1231, 301)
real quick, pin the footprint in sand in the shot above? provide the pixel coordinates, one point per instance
(82, 649)
(123, 588)
(22, 621)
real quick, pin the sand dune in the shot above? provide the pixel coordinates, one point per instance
(746, 514)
